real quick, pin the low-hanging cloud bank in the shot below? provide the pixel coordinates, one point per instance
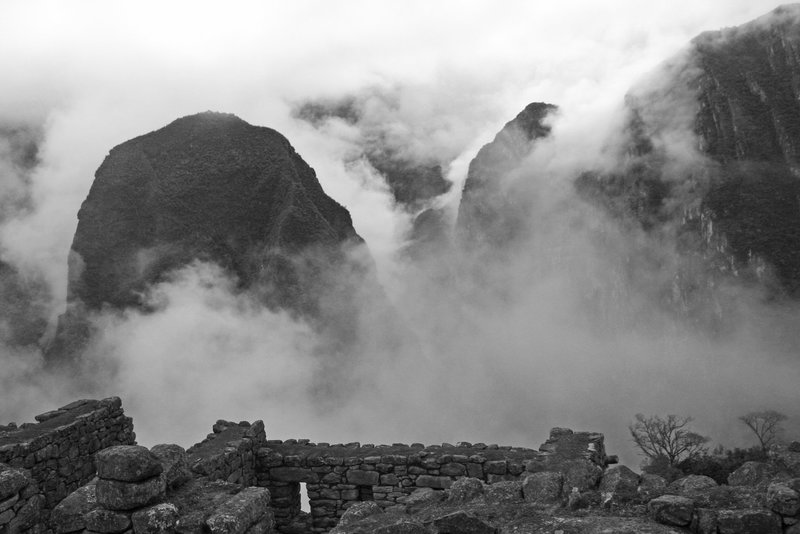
(576, 344)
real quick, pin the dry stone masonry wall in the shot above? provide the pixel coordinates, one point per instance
(58, 451)
(339, 476)
(78, 470)
(21, 504)
(228, 453)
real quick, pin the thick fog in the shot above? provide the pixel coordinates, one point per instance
(565, 330)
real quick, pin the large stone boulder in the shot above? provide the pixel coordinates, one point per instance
(240, 512)
(619, 483)
(692, 484)
(544, 487)
(175, 463)
(464, 490)
(107, 521)
(507, 491)
(783, 499)
(671, 510)
(155, 519)
(650, 487)
(69, 515)
(751, 474)
(752, 521)
(359, 511)
(402, 526)
(12, 481)
(127, 463)
(116, 495)
(462, 523)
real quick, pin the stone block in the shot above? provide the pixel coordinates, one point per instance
(495, 467)
(704, 521)
(671, 510)
(363, 478)
(748, 521)
(462, 523)
(504, 492)
(402, 526)
(127, 463)
(465, 489)
(29, 515)
(435, 482)
(175, 463)
(240, 512)
(751, 474)
(474, 470)
(783, 499)
(453, 470)
(545, 487)
(155, 519)
(107, 521)
(293, 474)
(117, 495)
(620, 482)
(11, 482)
(68, 515)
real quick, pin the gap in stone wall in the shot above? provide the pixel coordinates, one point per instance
(304, 505)
(365, 493)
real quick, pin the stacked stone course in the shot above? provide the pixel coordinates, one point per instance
(228, 453)
(340, 476)
(21, 504)
(141, 491)
(59, 450)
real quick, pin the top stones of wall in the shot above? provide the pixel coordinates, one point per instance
(301, 452)
(56, 420)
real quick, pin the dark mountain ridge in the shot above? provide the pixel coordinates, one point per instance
(214, 188)
(733, 197)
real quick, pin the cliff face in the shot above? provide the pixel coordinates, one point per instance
(731, 194)
(490, 211)
(207, 187)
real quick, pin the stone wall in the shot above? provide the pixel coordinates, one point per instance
(58, 451)
(339, 476)
(21, 504)
(228, 453)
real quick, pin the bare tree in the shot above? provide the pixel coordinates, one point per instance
(666, 437)
(765, 425)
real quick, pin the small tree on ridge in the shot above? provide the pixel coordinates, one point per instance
(765, 425)
(666, 438)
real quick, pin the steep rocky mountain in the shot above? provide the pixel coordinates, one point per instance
(731, 195)
(214, 188)
(490, 210)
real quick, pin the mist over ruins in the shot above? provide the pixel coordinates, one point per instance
(493, 288)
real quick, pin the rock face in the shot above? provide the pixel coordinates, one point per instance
(206, 187)
(727, 197)
(490, 212)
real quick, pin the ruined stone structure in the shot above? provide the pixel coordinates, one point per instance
(54, 462)
(79, 471)
(57, 455)
(338, 476)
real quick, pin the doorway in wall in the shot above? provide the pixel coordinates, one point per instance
(304, 504)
